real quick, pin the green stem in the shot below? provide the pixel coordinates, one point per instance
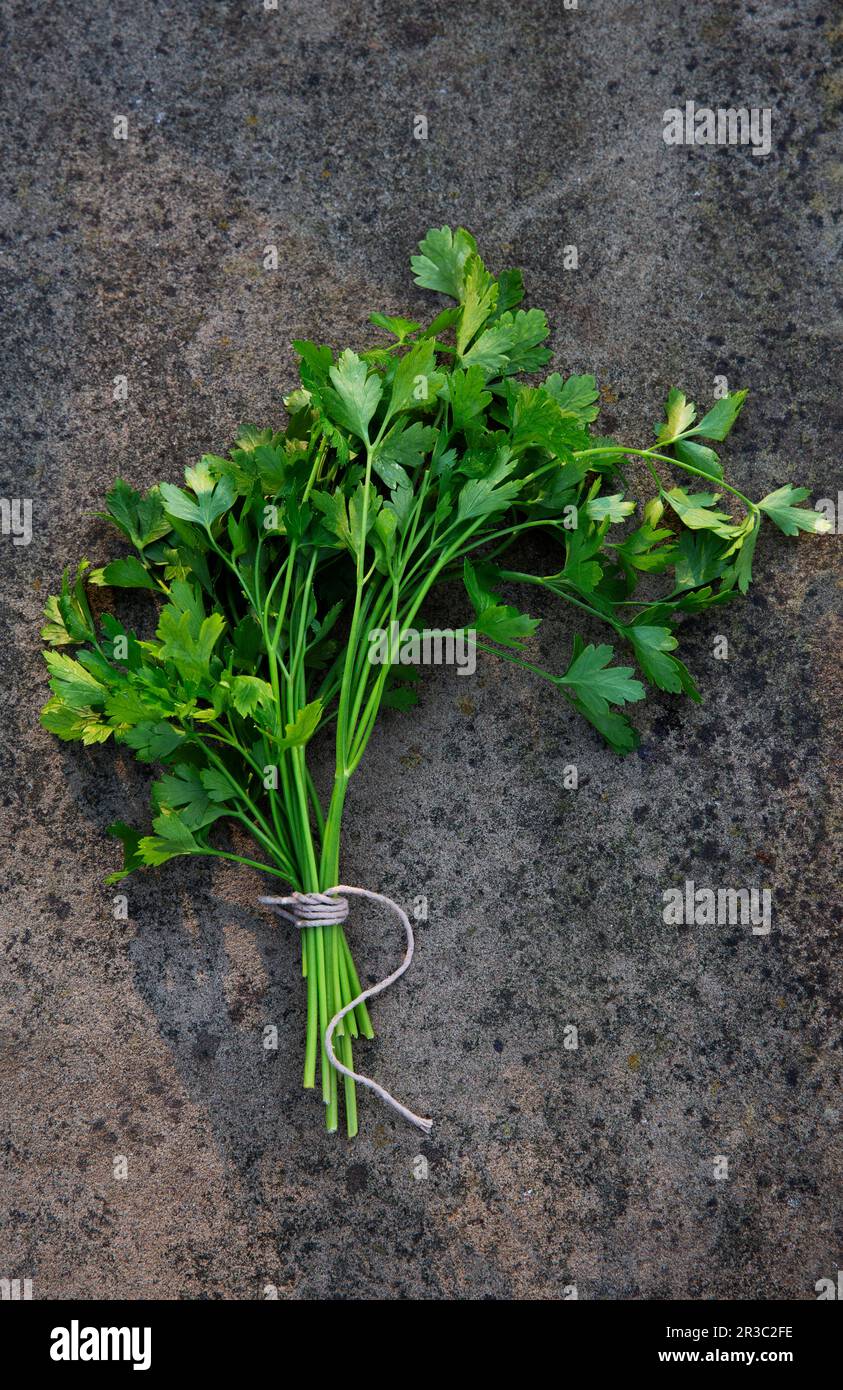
(649, 454)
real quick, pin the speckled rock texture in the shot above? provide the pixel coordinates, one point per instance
(549, 1167)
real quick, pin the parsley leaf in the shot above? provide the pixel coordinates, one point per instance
(679, 415)
(780, 507)
(442, 259)
(596, 684)
(577, 396)
(511, 344)
(355, 398)
(722, 416)
(479, 296)
(653, 647)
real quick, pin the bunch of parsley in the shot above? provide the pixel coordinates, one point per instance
(412, 464)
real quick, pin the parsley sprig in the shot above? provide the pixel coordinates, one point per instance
(417, 462)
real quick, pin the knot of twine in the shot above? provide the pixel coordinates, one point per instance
(328, 910)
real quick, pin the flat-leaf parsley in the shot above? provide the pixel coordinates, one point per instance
(414, 463)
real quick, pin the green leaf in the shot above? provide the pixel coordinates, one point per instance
(54, 631)
(212, 500)
(173, 838)
(131, 857)
(334, 508)
(405, 446)
(303, 727)
(493, 619)
(390, 472)
(536, 421)
(652, 646)
(200, 477)
(442, 259)
(181, 787)
(505, 624)
(416, 379)
(582, 570)
(184, 791)
(398, 327)
(643, 549)
(133, 704)
(152, 742)
(247, 642)
(218, 787)
(527, 329)
(273, 466)
(697, 511)
(696, 600)
(128, 573)
(485, 496)
(296, 519)
(578, 396)
(401, 697)
(722, 416)
(239, 535)
(679, 414)
(510, 291)
(476, 581)
(698, 456)
(249, 437)
(744, 557)
(212, 504)
(186, 598)
(177, 503)
(596, 684)
(114, 632)
(779, 507)
(247, 692)
(298, 404)
(355, 399)
(357, 506)
(187, 647)
(315, 361)
(73, 609)
(141, 519)
(511, 344)
(72, 684)
(73, 724)
(320, 627)
(700, 557)
(615, 728)
(611, 508)
(447, 319)
(384, 537)
(467, 397)
(479, 296)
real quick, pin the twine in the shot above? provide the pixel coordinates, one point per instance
(327, 910)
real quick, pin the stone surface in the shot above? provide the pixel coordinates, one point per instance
(548, 1167)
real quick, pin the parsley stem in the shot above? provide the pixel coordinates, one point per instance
(545, 582)
(517, 661)
(675, 463)
(250, 863)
